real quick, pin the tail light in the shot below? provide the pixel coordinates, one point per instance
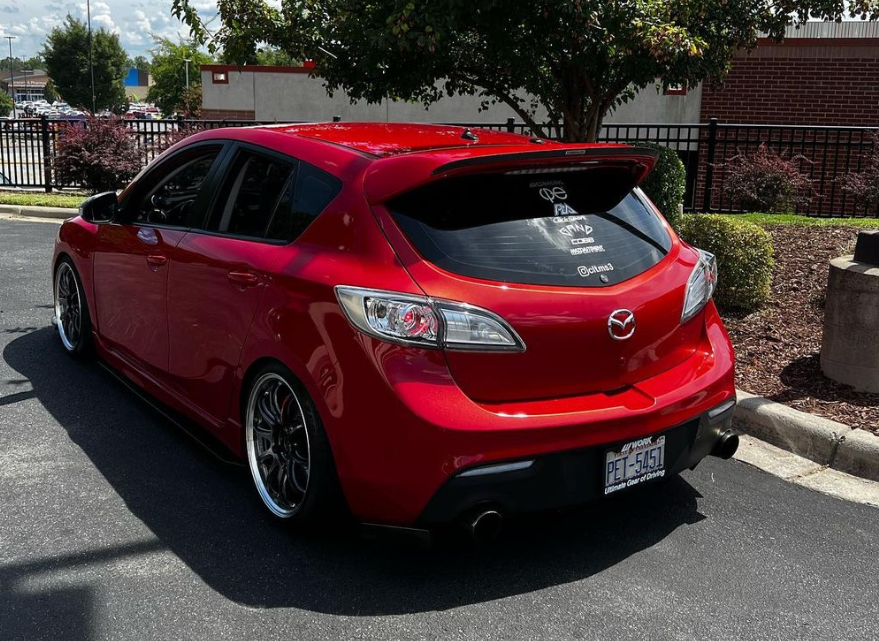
(426, 322)
(700, 286)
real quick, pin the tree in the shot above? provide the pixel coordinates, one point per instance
(5, 104)
(140, 63)
(50, 93)
(19, 64)
(66, 53)
(168, 70)
(577, 59)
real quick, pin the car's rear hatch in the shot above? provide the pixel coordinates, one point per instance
(555, 247)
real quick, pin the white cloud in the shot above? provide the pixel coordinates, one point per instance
(136, 23)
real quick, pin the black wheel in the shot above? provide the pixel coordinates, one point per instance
(72, 318)
(287, 450)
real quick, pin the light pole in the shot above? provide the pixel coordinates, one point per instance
(187, 61)
(11, 77)
(88, 8)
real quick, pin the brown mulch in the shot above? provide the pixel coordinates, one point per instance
(778, 348)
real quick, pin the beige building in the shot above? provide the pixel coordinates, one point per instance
(286, 94)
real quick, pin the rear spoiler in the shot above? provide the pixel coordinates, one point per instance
(620, 167)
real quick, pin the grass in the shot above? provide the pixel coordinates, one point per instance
(40, 200)
(805, 221)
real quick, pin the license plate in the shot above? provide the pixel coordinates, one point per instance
(633, 463)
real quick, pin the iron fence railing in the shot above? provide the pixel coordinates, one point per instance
(827, 154)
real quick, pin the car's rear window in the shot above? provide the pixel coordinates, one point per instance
(543, 229)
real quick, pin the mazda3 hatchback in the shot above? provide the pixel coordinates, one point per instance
(419, 324)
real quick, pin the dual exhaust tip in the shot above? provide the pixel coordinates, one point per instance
(486, 525)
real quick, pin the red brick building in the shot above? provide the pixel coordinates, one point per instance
(821, 74)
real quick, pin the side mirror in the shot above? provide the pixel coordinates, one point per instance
(100, 208)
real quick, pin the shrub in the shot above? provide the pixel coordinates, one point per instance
(665, 184)
(767, 182)
(744, 258)
(864, 186)
(100, 154)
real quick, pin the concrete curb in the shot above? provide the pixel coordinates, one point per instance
(38, 212)
(818, 439)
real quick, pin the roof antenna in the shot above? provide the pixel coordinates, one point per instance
(469, 135)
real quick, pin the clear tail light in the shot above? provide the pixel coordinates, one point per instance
(700, 285)
(419, 320)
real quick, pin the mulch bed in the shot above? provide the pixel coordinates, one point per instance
(778, 348)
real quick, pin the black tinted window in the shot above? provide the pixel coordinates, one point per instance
(250, 193)
(545, 229)
(168, 195)
(305, 198)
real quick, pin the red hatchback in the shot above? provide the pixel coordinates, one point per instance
(425, 323)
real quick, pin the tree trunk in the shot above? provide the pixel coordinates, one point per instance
(585, 125)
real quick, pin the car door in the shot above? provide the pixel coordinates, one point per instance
(220, 273)
(134, 253)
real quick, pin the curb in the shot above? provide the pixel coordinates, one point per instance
(38, 212)
(818, 439)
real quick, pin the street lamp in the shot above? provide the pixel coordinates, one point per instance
(11, 77)
(88, 8)
(187, 61)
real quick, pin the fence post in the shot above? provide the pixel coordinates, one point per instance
(47, 157)
(511, 125)
(709, 169)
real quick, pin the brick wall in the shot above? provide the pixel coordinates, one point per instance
(800, 82)
(228, 114)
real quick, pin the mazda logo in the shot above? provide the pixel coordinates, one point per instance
(621, 324)
(553, 194)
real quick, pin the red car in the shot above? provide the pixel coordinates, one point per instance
(420, 323)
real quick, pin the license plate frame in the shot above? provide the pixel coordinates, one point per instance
(633, 463)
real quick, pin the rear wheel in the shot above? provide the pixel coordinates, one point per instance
(287, 449)
(72, 318)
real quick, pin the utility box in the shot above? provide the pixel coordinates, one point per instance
(850, 346)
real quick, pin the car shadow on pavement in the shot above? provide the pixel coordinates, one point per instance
(206, 513)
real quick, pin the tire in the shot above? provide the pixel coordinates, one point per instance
(288, 452)
(72, 320)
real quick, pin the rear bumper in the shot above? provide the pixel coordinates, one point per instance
(564, 479)
(401, 440)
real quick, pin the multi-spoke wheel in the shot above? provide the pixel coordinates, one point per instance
(287, 450)
(71, 311)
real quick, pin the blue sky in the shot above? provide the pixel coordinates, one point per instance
(136, 21)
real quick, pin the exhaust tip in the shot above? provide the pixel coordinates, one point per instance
(486, 526)
(726, 445)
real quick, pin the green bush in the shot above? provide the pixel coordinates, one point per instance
(665, 184)
(744, 258)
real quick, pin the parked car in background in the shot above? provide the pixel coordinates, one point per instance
(424, 324)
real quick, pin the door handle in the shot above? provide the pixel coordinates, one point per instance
(156, 260)
(243, 279)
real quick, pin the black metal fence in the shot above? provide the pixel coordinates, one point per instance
(28, 147)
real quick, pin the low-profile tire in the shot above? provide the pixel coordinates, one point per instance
(72, 319)
(287, 450)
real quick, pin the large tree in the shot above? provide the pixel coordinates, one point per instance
(577, 59)
(66, 54)
(168, 71)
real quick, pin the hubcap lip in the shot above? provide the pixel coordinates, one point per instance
(68, 308)
(260, 385)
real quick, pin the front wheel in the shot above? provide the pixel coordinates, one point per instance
(72, 318)
(287, 449)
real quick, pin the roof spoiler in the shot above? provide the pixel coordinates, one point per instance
(619, 169)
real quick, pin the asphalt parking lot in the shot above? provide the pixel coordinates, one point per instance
(115, 525)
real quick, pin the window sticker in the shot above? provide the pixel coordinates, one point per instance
(590, 270)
